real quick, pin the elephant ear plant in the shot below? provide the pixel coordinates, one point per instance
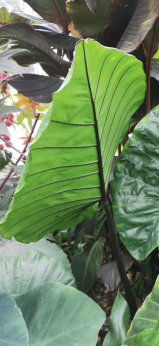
(38, 302)
(68, 166)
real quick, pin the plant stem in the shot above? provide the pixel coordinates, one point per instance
(22, 154)
(63, 24)
(11, 146)
(61, 19)
(120, 264)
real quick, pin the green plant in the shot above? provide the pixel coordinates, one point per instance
(80, 135)
(144, 327)
(36, 303)
(82, 157)
(135, 190)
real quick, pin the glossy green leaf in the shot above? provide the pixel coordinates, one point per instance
(21, 272)
(56, 314)
(13, 329)
(119, 322)
(139, 25)
(39, 50)
(86, 22)
(148, 337)
(86, 263)
(135, 189)
(47, 10)
(80, 134)
(45, 247)
(147, 317)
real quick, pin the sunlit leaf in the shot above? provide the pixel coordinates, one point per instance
(64, 171)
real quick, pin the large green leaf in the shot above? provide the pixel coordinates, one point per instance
(71, 157)
(147, 317)
(135, 189)
(13, 329)
(119, 322)
(47, 10)
(60, 315)
(45, 247)
(21, 272)
(86, 22)
(39, 50)
(86, 263)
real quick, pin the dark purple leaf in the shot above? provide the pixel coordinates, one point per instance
(57, 39)
(121, 12)
(40, 51)
(47, 10)
(140, 24)
(109, 273)
(37, 88)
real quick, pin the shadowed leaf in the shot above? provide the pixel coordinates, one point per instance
(37, 88)
(39, 51)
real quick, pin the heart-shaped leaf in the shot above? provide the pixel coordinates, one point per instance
(45, 247)
(135, 189)
(21, 272)
(56, 314)
(68, 167)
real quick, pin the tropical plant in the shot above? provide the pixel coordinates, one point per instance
(92, 122)
(144, 327)
(67, 170)
(35, 289)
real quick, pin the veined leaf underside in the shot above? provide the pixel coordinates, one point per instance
(69, 162)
